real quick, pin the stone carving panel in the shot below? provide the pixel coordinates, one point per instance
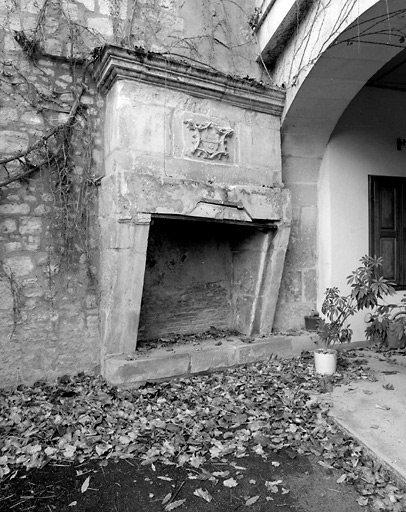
(208, 140)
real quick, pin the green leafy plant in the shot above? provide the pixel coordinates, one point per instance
(387, 324)
(368, 286)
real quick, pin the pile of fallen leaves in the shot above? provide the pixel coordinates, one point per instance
(262, 407)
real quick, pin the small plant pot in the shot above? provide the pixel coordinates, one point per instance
(325, 361)
(311, 323)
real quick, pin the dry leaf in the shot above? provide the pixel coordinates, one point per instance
(203, 494)
(230, 482)
(166, 498)
(85, 485)
(174, 505)
(363, 501)
(251, 501)
(342, 479)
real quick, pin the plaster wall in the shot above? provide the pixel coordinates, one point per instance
(323, 23)
(321, 82)
(363, 143)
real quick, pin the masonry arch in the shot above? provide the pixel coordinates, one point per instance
(327, 177)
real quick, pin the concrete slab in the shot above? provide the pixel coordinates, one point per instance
(374, 413)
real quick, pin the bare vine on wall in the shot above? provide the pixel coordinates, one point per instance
(8, 279)
(58, 153)
(315, 31)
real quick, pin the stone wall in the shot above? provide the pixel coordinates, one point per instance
(49, 318)
(49, 301)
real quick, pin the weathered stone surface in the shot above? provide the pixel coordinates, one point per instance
(101, 25)
(8, 226)
(8, 115)
(213, 358)
(13, 142)
(30, 226)
(20, 265)
(15, 209)
(124, 372)
(89, 4)
(12, 246)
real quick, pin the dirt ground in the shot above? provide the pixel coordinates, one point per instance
(284, 482)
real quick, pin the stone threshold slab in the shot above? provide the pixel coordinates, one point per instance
(188, 359)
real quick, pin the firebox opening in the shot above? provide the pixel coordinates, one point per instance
(200, 274)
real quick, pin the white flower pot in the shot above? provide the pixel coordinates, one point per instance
(325, 361)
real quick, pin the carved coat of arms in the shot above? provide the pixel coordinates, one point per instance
(209, 140)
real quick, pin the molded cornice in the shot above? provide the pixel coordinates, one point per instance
(155, 69)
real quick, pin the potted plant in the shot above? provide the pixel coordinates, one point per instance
(367, 288)
(333, 329)
(387, 325)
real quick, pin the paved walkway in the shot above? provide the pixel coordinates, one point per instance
(375, 412)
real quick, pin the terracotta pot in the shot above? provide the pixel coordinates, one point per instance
(325, 361)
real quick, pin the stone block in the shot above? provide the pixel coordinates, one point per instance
(30, 226)
(42, 209)
(121, 372)
(14, 208)
(310, 285)
(204, 360)
(101, 25)
(8, 115)
(12, 246)
(32, 119)
(109, 8)
(150, 134)
(88, 4)
(20, 265)
(290, 315)
(29, 5)
(6, 297)
(304, 194)
(13, 142)
(291, 286)
(296, 169)
(8, 226)
(258, 350)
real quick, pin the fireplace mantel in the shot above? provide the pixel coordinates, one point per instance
(179, 74)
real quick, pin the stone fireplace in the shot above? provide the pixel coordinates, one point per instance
(194, 217)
